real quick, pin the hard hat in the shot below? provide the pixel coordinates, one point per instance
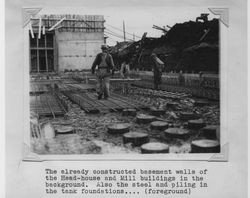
(104, 47)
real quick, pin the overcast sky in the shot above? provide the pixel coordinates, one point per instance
(137, 19)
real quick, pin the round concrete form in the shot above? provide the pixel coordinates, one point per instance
(137, 139)
(157, 112)
(64, 129)
(144, 119)
(129, 112)
(159, 125)
(177, 133)
(196, 124)
(210, 131)
(118, 128)
(154, 147)
(205, 146)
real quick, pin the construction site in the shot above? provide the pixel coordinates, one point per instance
(67, 116)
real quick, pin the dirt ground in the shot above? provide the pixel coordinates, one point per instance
(91, 136)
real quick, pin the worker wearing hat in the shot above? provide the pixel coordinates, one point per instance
(158, 66)
(105, 65)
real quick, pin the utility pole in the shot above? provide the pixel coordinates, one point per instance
(124, 35)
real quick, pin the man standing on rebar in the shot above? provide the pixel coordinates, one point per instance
(105, 64)
(158, 66)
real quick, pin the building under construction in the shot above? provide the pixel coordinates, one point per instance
(64, 42)
(67, 118)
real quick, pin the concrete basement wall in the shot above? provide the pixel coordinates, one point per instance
(208, 86)
(77, 50)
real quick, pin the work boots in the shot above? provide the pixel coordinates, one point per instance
(99, 97)
(106, 93)
(106, 96)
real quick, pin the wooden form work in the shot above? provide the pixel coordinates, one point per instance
(71, 23)
(89, 103)
(42, 35)
(42, 53)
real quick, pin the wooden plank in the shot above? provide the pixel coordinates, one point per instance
(105, 103)
(84, 103)
(115, 102)
(37, 51)
(46, 55)
(120, 103)
(55, 51)
(53, 27)
(40, 26)
(31, 30)
(44, 30)
(134, 103)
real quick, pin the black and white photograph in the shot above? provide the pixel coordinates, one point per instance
(115, 98)
(116, 83)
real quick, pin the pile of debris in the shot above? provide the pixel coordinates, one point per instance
(190, 47)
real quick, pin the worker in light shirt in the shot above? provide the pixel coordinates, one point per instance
(125, 70)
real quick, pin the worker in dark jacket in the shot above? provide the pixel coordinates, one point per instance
(105, 64)
(158, 66)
